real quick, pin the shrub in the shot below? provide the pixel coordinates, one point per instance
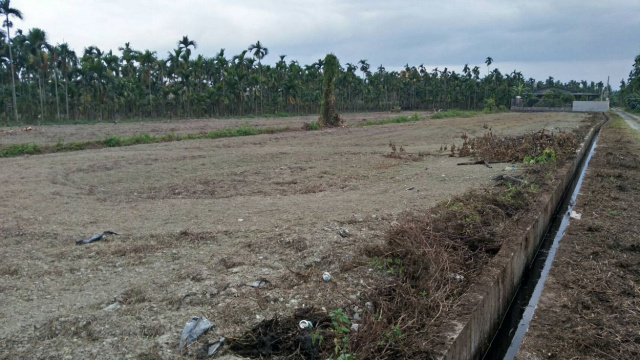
(311, 126)
(19, 149)
(547, 156)
(454, 113)
(112, 141)
(489, 106)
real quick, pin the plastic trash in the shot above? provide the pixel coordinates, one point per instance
(305, 324)
(193, 329)
(344, 233)
(511, 167)
(457, 276)
(258, 283)
(575, 215)
(96, 237)
(113, 307)
(215, 346)
(355, 327)
(326, 276)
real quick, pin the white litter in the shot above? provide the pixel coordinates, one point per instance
(305, 324)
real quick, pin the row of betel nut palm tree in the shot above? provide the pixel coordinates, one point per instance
(41, 82)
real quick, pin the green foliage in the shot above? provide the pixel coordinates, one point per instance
(548, 156)
(395, 120)
(97, 86)
(312, 126)
(71, 146)
(244, 130)
(392, 336)
(629, 94)
(316, 338)
(555, 98)
(340, 324)
(112, 141)
(19, 149)
(489, 106)
(328, 114)
(142, 138)
(392, 266)
(454, 113)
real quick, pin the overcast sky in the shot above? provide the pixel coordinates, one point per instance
(566, 39)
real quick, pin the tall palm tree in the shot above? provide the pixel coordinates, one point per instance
(488, 61)
(147, 60)
(185, 44)
(67, 60)
(7, 10)
(54, 67)
(38, 47)
(364, 67)
(259, 52)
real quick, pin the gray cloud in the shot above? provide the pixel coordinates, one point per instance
(543, 37)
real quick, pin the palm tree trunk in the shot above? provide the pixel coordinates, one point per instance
(13, 80)
(41, 99)
(66, 95)
(55, 79)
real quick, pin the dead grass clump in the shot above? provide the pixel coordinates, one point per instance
(623, 160)
(9, 270)
(195, 236)
(71, 327)
(133, 295)
(229, 262)
(152, 329)
(491, 147)
(195, 275)
(312, 189)
(433, 256)
(133, 249)
(401, 153)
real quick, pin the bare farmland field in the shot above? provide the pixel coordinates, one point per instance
(50, 134)
(202, 219)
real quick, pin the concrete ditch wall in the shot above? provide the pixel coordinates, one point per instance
(497, 284)
(586, 106)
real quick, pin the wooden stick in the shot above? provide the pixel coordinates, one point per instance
(481, 162)
(510, 179)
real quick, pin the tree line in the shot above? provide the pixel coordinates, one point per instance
(629, 93)
(40, 81)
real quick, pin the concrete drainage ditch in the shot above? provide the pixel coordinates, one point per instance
(515, 324)
(474, 334)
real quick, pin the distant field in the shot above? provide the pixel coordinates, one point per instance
(51, 134)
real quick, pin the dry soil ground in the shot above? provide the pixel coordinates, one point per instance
(202, 219)
(590, 306)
